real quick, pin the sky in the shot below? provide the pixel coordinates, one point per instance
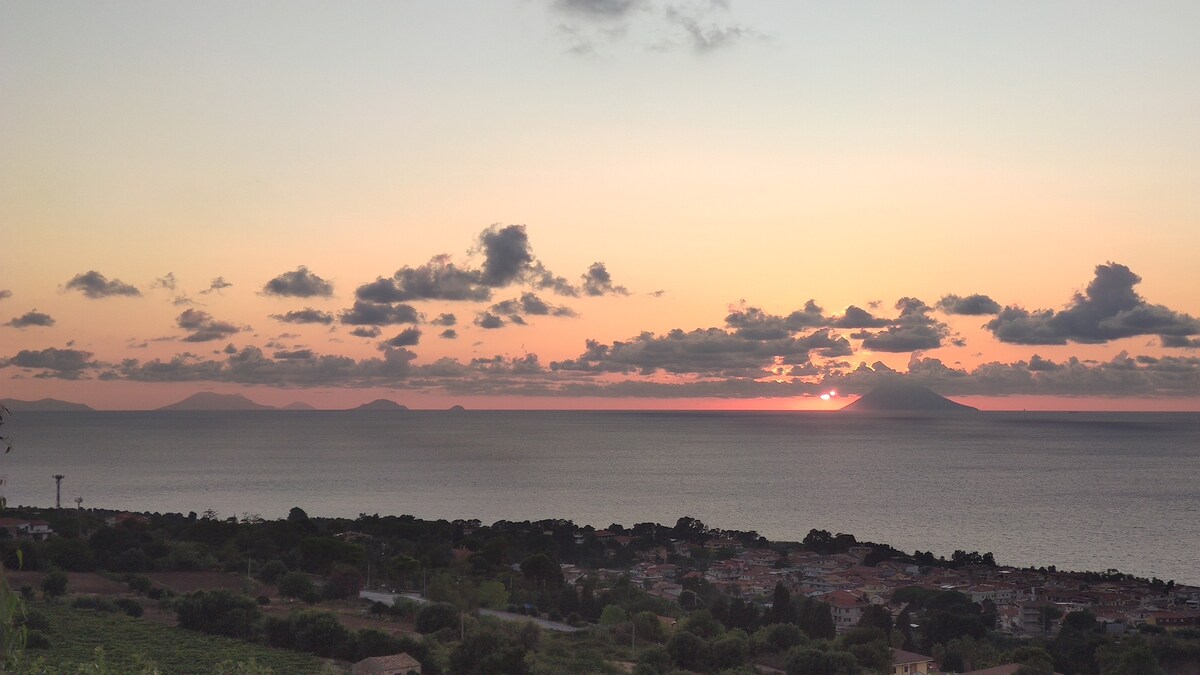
(611, 204)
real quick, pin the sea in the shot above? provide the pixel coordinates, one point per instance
(1080, 491)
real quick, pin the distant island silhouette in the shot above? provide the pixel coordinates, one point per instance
(381, 404)
(209, 400)
(905, 398)
(298, 405)
(457, 408)
(42, 405)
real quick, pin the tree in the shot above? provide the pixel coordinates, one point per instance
(807, 661)
(436, 616)
(220, 612)
(55, 584)
(486, 651)
(612, 616)
(539, 567)
(876, 616)
(688, 651)
(272, 571)
(343, 582)
(322, 634)
(295, 585)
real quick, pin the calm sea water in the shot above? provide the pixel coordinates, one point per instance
(1080, 491)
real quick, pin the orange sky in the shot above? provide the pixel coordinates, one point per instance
(724, 165)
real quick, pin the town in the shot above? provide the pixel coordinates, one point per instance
(648, 598)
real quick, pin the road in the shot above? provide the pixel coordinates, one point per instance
(390, 598)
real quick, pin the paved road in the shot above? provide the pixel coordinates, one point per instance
(389, 598)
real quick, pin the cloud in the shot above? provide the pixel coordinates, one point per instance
(439, 279)
(445, 320)
(449, 334)
(366, 332)
(528, 304)
(5, 293)
(1180, 341)
(1109, 309)
(202, 327)
(488, 321)
(299, 283)
(709, 352)
(306, 315)
(405, 338)
(167, 281)
(31, 318)
(507, 256)
(250, 366)
(95, 285)
(218, 284)
(754, 323)
(293, 354)
(66, 364)
(703, 34)
(972, 305)
(597, 281)
(702, 26)
(857, 317)
(913, 330)
(378, 314)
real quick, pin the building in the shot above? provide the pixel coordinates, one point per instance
(847, 608)
(38, 530)
(907, 663)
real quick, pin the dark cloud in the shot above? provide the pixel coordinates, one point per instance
(913, 330)
(1109, 309)
(857, 317)
(1180, 341)
(972, 305)
(66, 364)
(597, 281)
(445, 320)
(293, 354)
(528, 304)
(711, 352)
(299, 283)
(95, 285)
(31, 318)
(449, 334)
(439, 279)
(378, 314)
(366, 332)
(1038, 364)
(218, 284)
(488, 321)
(306, 315)
(507, 256)
(405, 338)
(251, 366)
(5, 293)
(202, 327)
(753, 323)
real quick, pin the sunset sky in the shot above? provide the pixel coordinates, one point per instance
(600, 203)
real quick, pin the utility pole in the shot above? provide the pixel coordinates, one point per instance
(79, 503)
(58, 490)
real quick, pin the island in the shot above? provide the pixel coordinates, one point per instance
(908, 398)
(381, 404)
(212, 401)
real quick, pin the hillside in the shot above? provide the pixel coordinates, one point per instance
(905, 398)
(208, 400)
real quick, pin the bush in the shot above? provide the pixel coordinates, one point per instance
(35, 620)
(220, 612)
(322, 634)
(37, 640)
(295, 585)
(344, 582)
(263, 600)
(95, 602)
(140, 584)
(271, 571)
(437, 616)
(55, 584)
(130, 606)
(27, 593)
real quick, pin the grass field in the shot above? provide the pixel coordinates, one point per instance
(130, 644)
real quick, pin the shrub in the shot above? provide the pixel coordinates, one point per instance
(130, 606)
(295, 585)
(263, 600)
(37, 640)
(437, 616)
(218, 611)
(35, 620)
(95, 602)
(140, 584)
(271, 571)
(55, 584)
(27, 593)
